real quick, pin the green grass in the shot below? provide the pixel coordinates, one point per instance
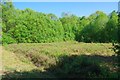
(32, 59)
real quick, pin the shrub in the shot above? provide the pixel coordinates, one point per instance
(7, 39)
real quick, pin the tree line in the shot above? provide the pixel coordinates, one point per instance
(29, 26)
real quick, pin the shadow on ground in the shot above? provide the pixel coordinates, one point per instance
(74, 66)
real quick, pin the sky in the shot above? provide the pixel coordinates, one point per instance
(64, 0)
(77, 8)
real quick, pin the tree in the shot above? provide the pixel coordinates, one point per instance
(93, 31)
(82, 23)
(70, 26)
(29, 26)
(117, 45)
(111, 28)
(8, 20)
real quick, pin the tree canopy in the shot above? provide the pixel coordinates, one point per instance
(29, 26)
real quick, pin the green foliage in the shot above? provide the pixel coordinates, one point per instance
(112, 27)
(7, 39)
(93, 31)
(70, 26)
(28, 26)
(117, 45)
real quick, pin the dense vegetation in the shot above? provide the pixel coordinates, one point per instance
(59, 60)
(29, 26)
(117, 45)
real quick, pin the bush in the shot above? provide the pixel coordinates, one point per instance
(6, 39)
